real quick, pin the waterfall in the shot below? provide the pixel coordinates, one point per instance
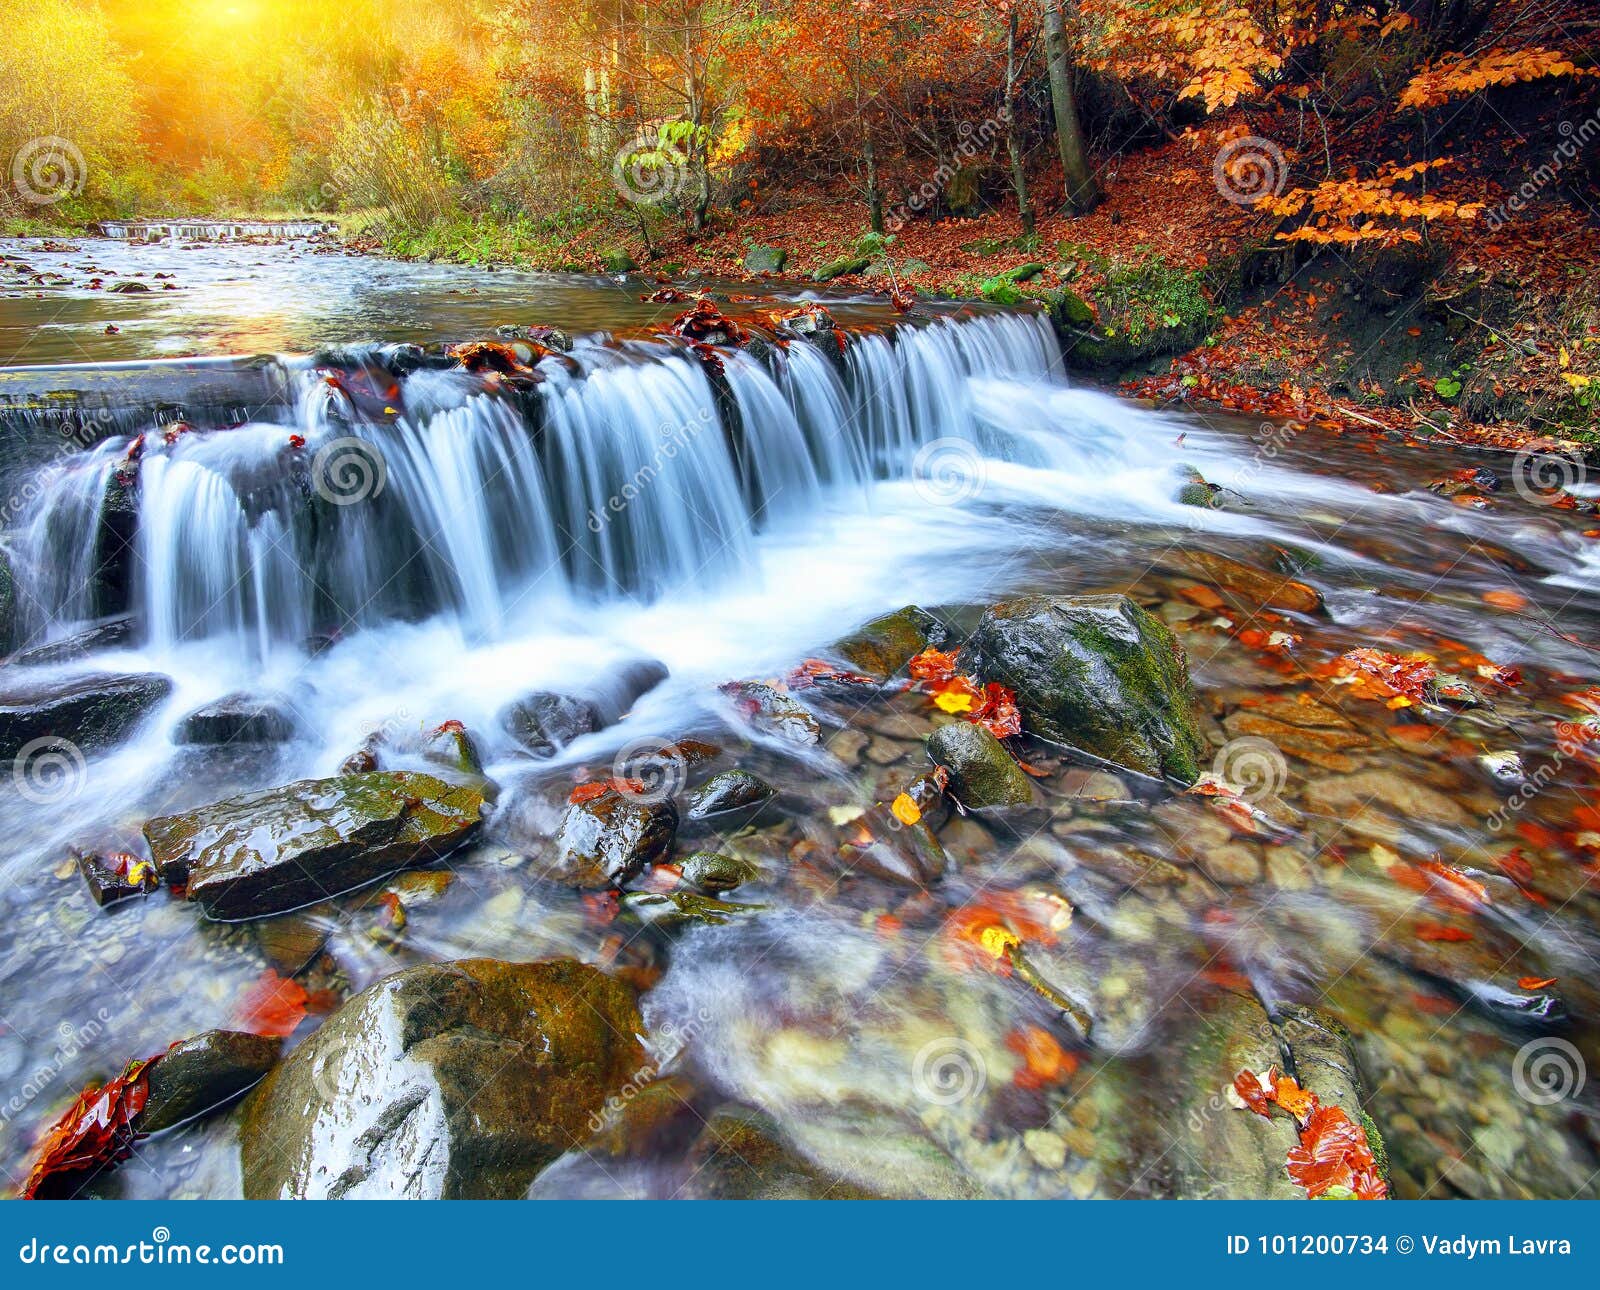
(620, 470)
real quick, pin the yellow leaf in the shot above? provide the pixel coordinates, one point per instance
(905, 810)
(998, 941)
(1566, 358)
(953, 701)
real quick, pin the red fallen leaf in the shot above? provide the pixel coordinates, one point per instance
(600, 787)
(1333, 1152)
(1035, 771)
(1441, 932)
(297, 441)
(274, 1005)
(96, 1131)
(1044, 1060)
(1445, 885)
(933, 665)
(814, 670)
(1250, 1092)
(1536, 982)
(665, 296)
(997, 712)
(601, 906)
(1298, 1102)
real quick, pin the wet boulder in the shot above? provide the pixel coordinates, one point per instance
(765, 259)
(545, 722)
(265, 852)
(608, 839)
(741, 1155)
(770, 711)
(1255, 588)
(733, 793)
(982, 772)
(713, 872)
(89, 711)
(1097, 673)
(447, 1081)
(109, 633)
(239, 718)
(204, 1072)
(883, 646)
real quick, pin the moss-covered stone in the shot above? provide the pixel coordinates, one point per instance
(450, 1080)
(765, 259)
(982, 773)
(1097, 673)
(842, 268)
(714, 872)
(617, 260)
(883, 646)
(265, 852)
(204, 1072)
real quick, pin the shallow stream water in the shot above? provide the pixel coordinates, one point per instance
(942, 460)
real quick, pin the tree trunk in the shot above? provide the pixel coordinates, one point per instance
(869, 158)
(1082, 193)
(1019, 175)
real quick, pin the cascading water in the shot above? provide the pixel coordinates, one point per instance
(624, 472)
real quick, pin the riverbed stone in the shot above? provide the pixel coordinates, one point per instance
(545, 722)
(728, 793)
(89, 711)
(265, 852)
(765, 259)
(606, 840)
(109, 633)
(883, 646)
(982, 772)
(1381, 804)
(239, 718)
(202, 1072)
(1257, 587)
(1097, 673)
(770, 710)
(714, 872)
(446, 1081)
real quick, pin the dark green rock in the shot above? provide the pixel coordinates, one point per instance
(730, 791)
(1096, 673)
(617, 260)
(608, 839)
(673, 911)
(765, 259)
(885, 645)
(90, 711)
(841, 269)
(265, 852)
(202, 1073)
(982, 772)
(450, 1080)
(714, 872)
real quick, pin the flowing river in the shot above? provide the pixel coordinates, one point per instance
(1392, 887)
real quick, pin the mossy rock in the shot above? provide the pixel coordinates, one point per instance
(266, 852)
(446, 1081)
(841, 269)
(1068, 310)
(1097, 673)
(883, 646)
(982, 772)
(765, 259)
(617, 260)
